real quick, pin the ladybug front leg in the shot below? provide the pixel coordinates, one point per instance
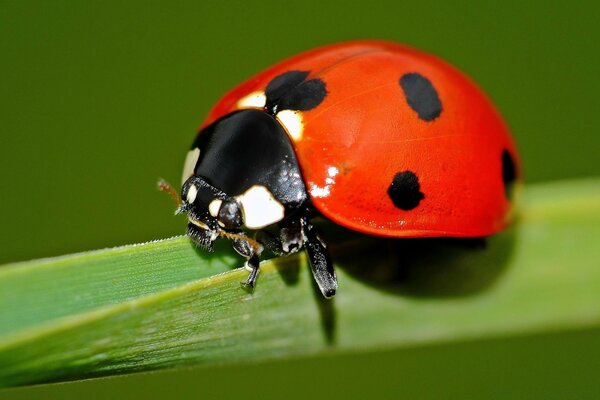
(251, 251)
(319, 259)
(253, 264)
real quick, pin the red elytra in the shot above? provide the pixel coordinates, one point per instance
(366, 131)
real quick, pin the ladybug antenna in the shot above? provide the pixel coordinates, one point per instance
(166, 187)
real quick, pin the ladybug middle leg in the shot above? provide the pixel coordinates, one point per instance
(288, 241)
(295, 234)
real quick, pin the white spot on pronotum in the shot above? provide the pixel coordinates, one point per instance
(292, 121)
(260, 208)
(325, 190)
(190, 163)
(214, 206)
(191, 194)
(253, 100)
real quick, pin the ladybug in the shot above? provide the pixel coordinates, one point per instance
(375, 136)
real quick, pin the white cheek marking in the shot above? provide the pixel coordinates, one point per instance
(191, 194)
(324, 191)
(260, 208)
(213, 207)
(292, 121)
(190, 163)
(253, 100)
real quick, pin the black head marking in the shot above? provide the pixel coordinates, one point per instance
(509, 172)
(405, 190)
(421, 96)
(291, 91)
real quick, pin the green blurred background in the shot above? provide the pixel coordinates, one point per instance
(101, 98)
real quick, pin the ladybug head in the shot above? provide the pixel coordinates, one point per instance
(210, 211)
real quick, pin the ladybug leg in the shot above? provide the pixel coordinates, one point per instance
(271, 242)
(320, 262)
(252, 253)
(252, 264)
(290, 239)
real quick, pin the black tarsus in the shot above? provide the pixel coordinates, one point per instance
(245, 249)
(253, 263)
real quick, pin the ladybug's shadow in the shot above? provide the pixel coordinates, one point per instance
(433, 267)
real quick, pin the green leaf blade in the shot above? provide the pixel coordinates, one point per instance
(51, 288)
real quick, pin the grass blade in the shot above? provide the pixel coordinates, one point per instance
(164, 304)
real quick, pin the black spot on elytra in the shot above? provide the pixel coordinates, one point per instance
(509, 172)
(282, 84)
(421, 96)
(291, 91)
(405, 190)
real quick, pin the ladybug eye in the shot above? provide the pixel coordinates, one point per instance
(230, 214)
